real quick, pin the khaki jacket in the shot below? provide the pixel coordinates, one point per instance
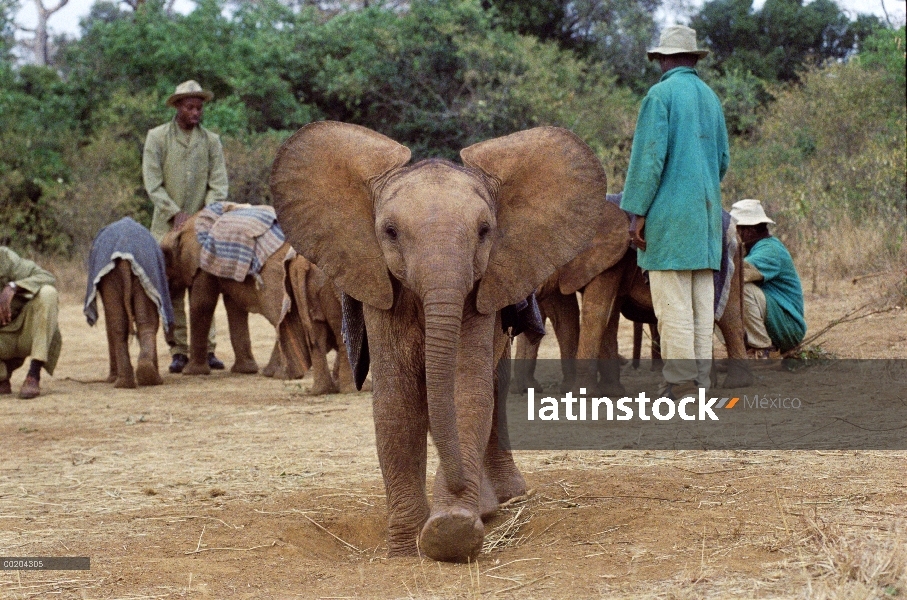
(182, 173)
(28, 277)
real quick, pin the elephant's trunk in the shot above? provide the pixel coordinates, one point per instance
(443, 317)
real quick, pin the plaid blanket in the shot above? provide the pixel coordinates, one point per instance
(723, 276)
(128, 240)
(237, 239)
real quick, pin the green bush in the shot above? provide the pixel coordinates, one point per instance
(829, 161)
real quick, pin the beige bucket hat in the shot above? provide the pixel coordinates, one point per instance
(188, 89)
(749, 212)
(677, 39)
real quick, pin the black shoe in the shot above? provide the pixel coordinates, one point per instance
(214, 362)
(179, 363)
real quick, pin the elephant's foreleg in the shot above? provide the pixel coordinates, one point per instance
(505, 478)
(146, 323)
(599, 306)
(113, 288)
(322, 382)
(524, 367)
(202, 301)
(238, 322)
(565, 318)
(732, 329)
(609, 359)
(275, 366)
(401, 427)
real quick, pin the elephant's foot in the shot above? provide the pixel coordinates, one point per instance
(111, 378)
(147, 374)
(738, 375)
(611, 389)
(197, 368)
(453, 535)
(321, 388)
(488, 501)
(507, 486)
(350, 387)
(567, 384)
(272, 370)
(246, 366)
(523, 386)
(126, 381)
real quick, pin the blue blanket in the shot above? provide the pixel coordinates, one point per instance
(128, 240)
(728, 249)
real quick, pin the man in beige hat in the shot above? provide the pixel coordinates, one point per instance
(184, 169)
(772, 294)
(679, 157)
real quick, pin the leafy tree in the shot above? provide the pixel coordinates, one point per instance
(616, 33)
(776, 41)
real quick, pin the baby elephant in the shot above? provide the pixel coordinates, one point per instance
(126, 267)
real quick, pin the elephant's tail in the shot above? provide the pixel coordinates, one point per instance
(125, 277)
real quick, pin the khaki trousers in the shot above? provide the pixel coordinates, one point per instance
(684, 305)
(179, 339)
(34, 333)
(754, 313)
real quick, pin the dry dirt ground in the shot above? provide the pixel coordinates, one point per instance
(235, 486)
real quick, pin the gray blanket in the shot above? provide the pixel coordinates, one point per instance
(128, 240)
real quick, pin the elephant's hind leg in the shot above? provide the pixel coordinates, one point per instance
(114, 288)
(238, 320)
(146, 323)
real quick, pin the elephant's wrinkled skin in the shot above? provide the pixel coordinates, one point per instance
(181, 256)
(125, 302)
(434, 250)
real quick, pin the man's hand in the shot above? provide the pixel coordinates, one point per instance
(637, 233)
(6, 305)
(179, 220)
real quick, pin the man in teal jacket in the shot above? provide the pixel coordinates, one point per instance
(679, 156)
(772, 294)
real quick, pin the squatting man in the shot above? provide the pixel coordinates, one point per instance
(28, 322)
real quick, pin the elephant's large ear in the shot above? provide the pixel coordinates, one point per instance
(550, 203)
(608, 246)
(322, 183)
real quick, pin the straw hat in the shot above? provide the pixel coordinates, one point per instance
(677, 39)
(749, 212)
(188, 89)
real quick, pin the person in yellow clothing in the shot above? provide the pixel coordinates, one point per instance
(184, 170)
(28, 322)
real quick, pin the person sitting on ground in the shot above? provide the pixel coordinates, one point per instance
(772, 294)
(28, 322)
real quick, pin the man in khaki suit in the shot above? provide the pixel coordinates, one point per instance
(184, 170)
(28, 322)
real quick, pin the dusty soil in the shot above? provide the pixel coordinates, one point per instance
(243, 487)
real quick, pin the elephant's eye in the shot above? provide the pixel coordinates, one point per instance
(391, 232)
(484, 229)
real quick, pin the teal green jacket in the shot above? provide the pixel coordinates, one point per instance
(679, 156)
(784, 319)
